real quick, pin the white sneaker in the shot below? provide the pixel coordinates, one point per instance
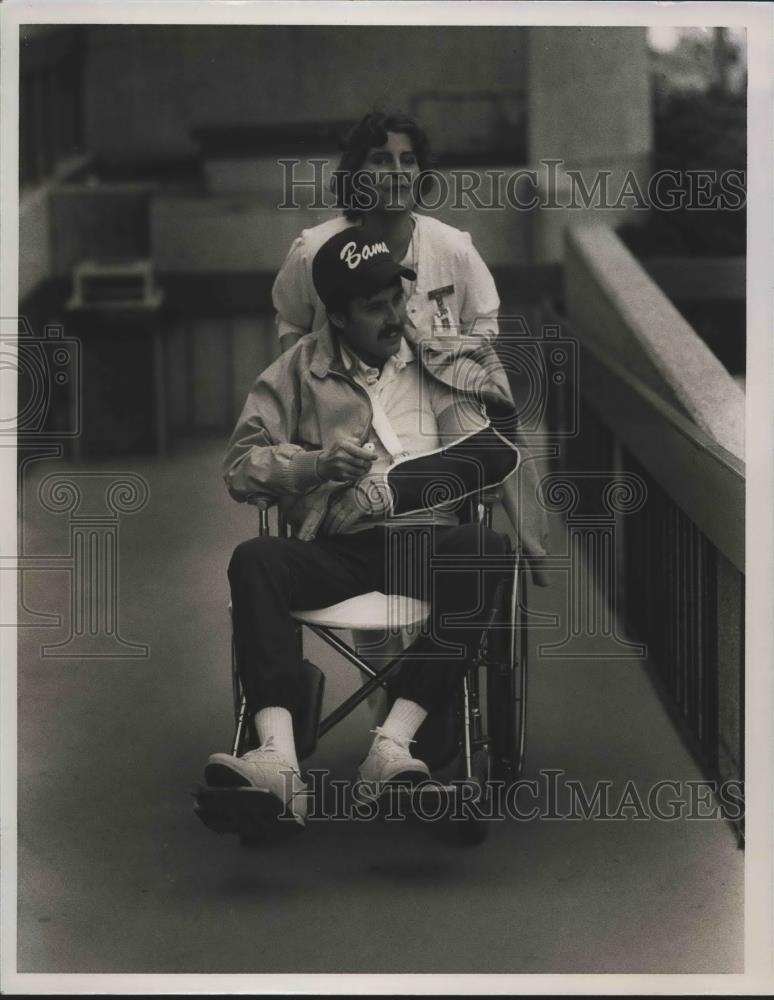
(264, 769)
(389, 759)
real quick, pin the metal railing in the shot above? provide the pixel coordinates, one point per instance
(679, 558)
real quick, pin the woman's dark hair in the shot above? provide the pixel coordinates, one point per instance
(369, 132)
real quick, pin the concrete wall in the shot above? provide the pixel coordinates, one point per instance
(34, 240)
(612, 301)
(98, 221)
(588, 93)
(246, 232)
(223, 234)
(588, 104)
(148, 85)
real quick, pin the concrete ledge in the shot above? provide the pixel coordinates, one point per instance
(34, 241)
(224, 233)
(612, 301)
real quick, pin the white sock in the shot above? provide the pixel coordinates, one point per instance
(277, 722)
(404, 719)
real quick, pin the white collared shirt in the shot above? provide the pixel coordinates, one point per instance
(405, 415)
(404, 405)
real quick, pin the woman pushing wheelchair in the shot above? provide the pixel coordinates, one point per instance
(379, 181)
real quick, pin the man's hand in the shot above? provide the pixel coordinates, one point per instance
(374, 494)
(344, 461)
(344, 510)
(369, 497)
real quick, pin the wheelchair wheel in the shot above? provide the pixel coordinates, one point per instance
(505, 648)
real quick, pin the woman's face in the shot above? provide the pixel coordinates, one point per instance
(393, 170)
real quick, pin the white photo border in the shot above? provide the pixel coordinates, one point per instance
(759, 636)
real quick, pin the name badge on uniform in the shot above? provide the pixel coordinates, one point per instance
(442, 321)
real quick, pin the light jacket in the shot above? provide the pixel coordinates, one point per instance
(305, 400)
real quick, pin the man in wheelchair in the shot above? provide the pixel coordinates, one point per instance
(325, 432)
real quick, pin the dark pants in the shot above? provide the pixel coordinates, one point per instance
(271, 576)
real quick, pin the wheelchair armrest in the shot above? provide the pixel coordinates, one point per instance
(263, 503)
(490, 496)
(261, 500)
(481, 505)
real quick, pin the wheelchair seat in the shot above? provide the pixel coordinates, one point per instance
(368, 612)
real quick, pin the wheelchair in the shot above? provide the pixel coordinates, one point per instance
(484, 749)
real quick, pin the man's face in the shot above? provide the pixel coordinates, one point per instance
(393, 168)
(372, 327)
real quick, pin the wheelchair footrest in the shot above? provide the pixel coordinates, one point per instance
(432, 799)
(427, 789)
(248, 812)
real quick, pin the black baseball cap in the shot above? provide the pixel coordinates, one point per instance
(354, 264)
